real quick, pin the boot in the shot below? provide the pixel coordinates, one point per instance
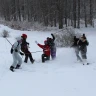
(25, 61)
(12, 68)
(17, 67)
(43, 60)
(32, 61)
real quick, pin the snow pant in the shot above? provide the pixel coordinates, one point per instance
(53, 52)
(83, 53)
(17, 60)
(77, 53)
(28, 54)
(45, 57)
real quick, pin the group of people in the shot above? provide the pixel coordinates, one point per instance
(80, 45)
(49, 48)
(21, 47)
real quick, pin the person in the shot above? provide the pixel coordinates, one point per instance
(24, 48)
(15, 51)
(51, 43)
(76, 47)
(46, 51)
(83, 43)
(84, 36)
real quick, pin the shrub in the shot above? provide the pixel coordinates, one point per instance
(64, 38)
(5, 33)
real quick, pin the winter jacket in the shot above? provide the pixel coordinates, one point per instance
(46, 49)
(50, 41)
(24, 46)
(75, 42)
(16, 46)
(83, 45)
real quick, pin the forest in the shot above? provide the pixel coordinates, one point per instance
(50, 12)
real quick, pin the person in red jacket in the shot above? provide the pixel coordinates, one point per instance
(46, 51)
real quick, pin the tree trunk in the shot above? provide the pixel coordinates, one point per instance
(74, 12)
(78, 26)
(85, 14)
(91, 13)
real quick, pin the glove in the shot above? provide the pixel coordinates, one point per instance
(21, 53)
(36, 42)
(11, 50)
(16, 50)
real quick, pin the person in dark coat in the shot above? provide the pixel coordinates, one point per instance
(51, 43)
(46, 51)
(76, 47)
(84, 36)
(24, 48)
(83, 43)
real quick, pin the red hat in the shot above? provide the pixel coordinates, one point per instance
(24, 35)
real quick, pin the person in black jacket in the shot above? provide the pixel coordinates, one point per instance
(24, 48)
(83, 43)
(76, 47)
(51, 43)
(84, 36)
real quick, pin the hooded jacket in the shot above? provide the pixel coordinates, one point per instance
(46, 49)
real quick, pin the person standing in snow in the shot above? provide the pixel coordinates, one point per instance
(46, 51)
(15, 51)
(84, 36)
(83, 43)
(24, 48)
(76, 47)
(51, 43)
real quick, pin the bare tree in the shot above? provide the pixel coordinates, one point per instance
(78, 26)
(74, 12)
(49, 12)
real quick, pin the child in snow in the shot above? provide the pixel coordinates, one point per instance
(76, 47)
(46, 51)
(83, 43)
(15, 51)
(24, 48)
(51, 43)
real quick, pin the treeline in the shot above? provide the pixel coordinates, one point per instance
(50, 12)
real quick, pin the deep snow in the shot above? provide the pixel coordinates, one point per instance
(60, 77)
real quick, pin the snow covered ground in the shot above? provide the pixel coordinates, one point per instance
(60, 77)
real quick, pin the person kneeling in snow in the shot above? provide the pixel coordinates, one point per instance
(15, 51)
(46, 51)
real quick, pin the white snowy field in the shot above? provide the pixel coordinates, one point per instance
(59, 77)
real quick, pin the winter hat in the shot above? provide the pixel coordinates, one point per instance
(24, 36)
